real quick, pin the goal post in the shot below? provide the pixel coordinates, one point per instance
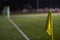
(6, 11)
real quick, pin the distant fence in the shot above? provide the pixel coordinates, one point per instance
(40, 10)
(56, 10)
(30, 11)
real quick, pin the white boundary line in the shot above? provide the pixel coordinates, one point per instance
(24, 35)
(20, 31)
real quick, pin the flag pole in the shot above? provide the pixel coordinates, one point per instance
(51, 25)
(52, 30)
(37, 4)
(52, 36)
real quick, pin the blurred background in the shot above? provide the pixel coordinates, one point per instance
(29, 6)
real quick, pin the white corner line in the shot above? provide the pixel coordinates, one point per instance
(20, 31)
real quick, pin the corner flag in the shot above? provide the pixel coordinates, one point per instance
(49, 25)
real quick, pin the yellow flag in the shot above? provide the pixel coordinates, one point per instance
(49, 25)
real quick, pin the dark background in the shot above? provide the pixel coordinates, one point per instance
(23, 3)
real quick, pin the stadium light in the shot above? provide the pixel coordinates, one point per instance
(37, 4)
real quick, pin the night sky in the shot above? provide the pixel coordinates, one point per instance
(22, 3)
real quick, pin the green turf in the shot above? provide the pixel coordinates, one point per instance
(7, 31)
(33, 25)
(56, 27)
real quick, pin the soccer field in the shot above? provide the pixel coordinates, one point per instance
(33, 25)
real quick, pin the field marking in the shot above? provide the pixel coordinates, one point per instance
(23, 34)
